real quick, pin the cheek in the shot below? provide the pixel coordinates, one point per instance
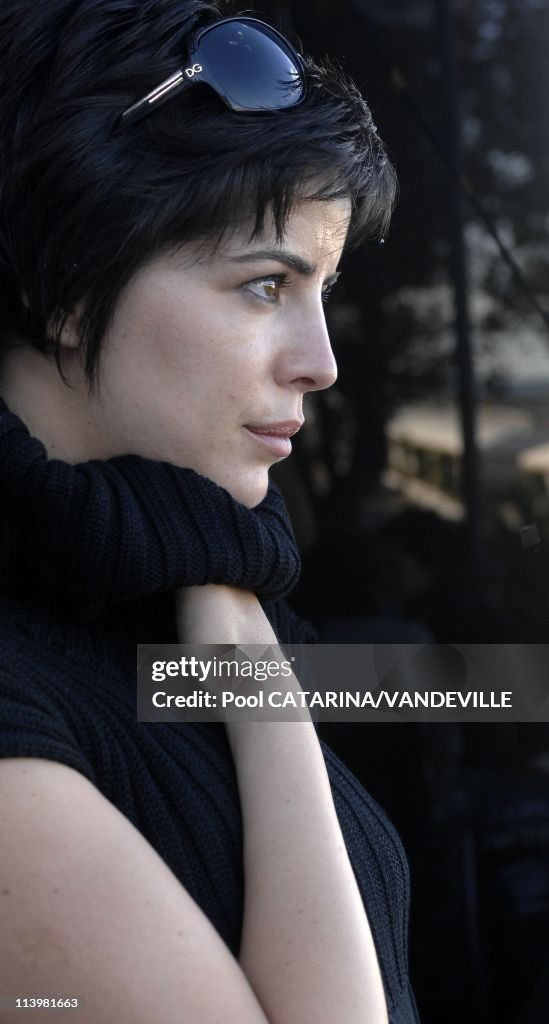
(164, 342)
(224, 363)
(144, 340)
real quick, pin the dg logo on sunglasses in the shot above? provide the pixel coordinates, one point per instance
(190, 72)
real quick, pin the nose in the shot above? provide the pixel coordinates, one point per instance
(308, 362)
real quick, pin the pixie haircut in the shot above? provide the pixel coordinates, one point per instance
(84, 205)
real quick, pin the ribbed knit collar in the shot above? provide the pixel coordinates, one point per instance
(78, 540)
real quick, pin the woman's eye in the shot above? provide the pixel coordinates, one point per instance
(268, 288)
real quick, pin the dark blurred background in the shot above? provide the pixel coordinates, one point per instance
(419, 489)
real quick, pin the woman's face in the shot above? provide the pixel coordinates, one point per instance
(203, 348)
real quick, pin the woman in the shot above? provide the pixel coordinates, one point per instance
(164, 253)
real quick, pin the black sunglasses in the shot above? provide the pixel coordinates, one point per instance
(250, 65)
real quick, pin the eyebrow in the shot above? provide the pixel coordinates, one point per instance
(289, 259)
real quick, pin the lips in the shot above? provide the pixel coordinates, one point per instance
(275, 437)
(285, 429)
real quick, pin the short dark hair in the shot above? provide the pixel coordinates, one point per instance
(83, 205)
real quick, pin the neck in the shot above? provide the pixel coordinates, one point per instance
(62, 415)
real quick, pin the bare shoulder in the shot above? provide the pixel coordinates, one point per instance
(90, 909)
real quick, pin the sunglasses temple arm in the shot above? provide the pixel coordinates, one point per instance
(168, 88)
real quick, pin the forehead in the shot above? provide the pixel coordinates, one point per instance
(316, 231)
(315, 228)
(319, 228)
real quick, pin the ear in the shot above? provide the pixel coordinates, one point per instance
(70, 338)
(69, 334)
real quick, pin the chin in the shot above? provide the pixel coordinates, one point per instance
(250, 492)
(251, 500)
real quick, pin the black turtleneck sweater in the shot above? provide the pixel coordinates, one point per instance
(89, 558)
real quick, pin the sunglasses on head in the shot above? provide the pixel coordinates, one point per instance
(250, 66)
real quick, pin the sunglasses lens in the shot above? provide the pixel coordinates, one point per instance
(251, 69)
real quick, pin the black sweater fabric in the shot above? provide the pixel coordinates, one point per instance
(89, 558)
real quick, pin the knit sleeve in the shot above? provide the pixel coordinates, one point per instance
(33, 725)
(83, 538)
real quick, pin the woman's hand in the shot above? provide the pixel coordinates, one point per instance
(217, 614)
